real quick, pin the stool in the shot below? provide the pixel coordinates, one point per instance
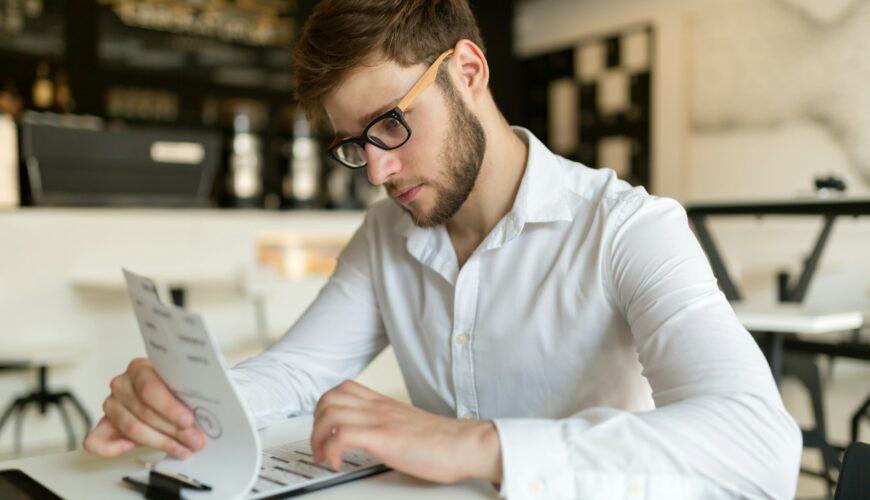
(42, 397)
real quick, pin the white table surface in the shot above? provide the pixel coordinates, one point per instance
(80, 475)
(795, 318)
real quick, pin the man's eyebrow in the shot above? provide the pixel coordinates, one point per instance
(371, 116)
(378, 112)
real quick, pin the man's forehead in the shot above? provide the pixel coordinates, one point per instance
(365, 93)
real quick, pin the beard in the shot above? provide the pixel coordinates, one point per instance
(461, 157)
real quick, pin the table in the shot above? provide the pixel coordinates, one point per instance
(779, 323)
(827, 208)
(777, 320)
(80, 475)
(795, 318)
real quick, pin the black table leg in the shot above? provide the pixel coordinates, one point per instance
(719, 269)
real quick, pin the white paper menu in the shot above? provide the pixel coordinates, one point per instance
(186, 357)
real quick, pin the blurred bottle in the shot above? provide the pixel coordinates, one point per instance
(246, 157)
(302, 183)
(43, 88)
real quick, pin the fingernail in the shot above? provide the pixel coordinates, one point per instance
(179, 451)
(186, 419)
(191, 439)
(127, 447)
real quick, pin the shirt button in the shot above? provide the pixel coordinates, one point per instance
(462, 339)
(536, 488)
(469, 415)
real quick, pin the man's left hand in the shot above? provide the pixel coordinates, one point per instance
(403, 437)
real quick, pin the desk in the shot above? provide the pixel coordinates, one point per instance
(78, 475)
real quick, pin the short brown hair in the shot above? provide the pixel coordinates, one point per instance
(342, 34)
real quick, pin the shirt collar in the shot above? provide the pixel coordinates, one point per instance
(542, 196)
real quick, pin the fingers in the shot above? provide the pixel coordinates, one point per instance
(358, 389)
(151, 389)
(148, 398)
(347, 393)
(346, 437)
(141, 409)
(334, 418)
(338, 399)
(137, 431)
(122, 389)
(105, 440)
(191, 437)
(352, 389)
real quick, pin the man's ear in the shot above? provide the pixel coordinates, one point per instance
(473, 69)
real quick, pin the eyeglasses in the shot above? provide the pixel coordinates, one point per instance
(388, 131)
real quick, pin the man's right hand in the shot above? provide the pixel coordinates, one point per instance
(141, 410)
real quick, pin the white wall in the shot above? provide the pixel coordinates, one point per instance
(45, 252)
(729, 123)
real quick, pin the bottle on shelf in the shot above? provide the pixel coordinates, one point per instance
(246, 155)
(43, 88)
(302, 183)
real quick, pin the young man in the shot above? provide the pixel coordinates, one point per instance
(560, 333)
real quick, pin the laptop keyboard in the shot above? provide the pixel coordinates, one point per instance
(292, 464)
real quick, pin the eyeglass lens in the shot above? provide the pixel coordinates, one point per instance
(387, 133)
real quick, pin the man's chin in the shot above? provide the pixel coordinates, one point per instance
(420, 216)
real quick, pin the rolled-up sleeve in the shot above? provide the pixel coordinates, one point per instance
(334, 339)
(719, 429)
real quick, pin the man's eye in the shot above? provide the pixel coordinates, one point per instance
(391, 123)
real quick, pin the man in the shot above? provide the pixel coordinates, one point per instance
(560, 333)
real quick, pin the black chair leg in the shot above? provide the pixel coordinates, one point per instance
(806, 369)
(86, 417)
(862, 412)
(70, 434)
(6, 414)
(20, 408)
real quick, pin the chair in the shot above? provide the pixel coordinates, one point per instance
(854, 479)
(42, 358)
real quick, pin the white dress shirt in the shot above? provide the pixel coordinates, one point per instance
(587, 325)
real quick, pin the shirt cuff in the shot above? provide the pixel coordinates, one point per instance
(534, 459)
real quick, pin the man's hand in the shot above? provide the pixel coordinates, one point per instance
(141, 410)
(405, 438)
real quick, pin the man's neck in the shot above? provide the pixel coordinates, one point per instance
(494, 192)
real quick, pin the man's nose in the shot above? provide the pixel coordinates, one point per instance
(382, 164)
